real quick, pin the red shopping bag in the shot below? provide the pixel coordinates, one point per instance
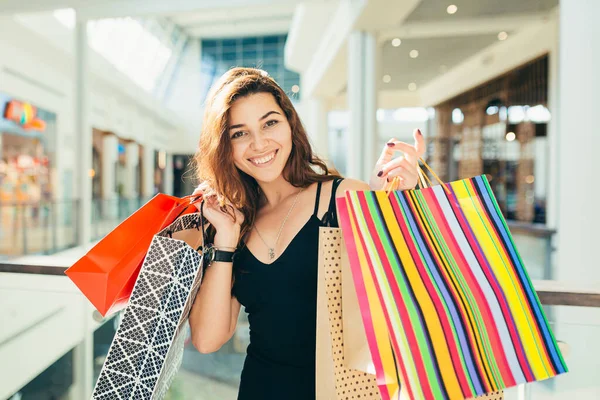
(107, 273)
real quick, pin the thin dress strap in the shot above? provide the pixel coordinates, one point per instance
(330, 218)
(317, 198)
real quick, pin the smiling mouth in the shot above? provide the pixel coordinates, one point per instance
(258, 161)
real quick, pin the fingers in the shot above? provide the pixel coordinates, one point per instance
(214, 208)
(410, 152)
(205, 189)
(408, 180)
(420, 145)
(400, 162)
(387, 153)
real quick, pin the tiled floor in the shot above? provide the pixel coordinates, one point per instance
(212, 376)
(191, 386)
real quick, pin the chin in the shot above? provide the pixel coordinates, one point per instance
(267, 176)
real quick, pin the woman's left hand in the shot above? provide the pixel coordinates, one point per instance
(405, 167)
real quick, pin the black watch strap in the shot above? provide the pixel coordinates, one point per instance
(213, 254)
(223, 256)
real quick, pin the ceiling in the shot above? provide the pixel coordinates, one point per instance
(436, 55)
(441, 39)
(436, 9)
(256, 20)
(444, 40)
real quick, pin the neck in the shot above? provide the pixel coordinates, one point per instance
(277, 191)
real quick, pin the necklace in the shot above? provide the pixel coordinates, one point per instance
(272, 249)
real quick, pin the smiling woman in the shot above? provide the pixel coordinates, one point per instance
(266, 196)
(260, 143)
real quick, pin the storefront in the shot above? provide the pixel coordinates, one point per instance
(27, 140)
(500, 129)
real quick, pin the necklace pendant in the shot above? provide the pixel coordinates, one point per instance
(271, 253)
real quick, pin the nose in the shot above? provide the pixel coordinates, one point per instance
(259, 142)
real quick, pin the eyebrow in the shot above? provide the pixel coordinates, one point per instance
(261, 118)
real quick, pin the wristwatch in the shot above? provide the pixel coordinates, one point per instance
(213, 253)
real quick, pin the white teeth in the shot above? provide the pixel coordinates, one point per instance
(263, 160)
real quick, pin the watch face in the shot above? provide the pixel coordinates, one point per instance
(210, 254)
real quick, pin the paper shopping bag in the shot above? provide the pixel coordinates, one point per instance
(107, 273)
(462, 314)
(335, 380)
(357, 354)
(148, 346)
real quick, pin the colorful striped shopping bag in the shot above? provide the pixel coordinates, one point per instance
(462, 315)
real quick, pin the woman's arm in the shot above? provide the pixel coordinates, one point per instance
(214, 315)
(215, 311)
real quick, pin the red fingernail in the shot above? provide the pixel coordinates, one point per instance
(419, 132)
(379, 174)
(391, 144)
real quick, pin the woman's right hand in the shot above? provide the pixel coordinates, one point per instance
(227, 229)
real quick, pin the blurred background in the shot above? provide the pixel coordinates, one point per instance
(101, 107)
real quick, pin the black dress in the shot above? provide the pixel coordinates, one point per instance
(281, 302)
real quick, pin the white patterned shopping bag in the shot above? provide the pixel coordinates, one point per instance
(148, 345)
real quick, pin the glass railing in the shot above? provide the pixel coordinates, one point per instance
(216, 376)
(107, 214)
(50, 227)
(39, 228)
(534, 242)
(577, 330)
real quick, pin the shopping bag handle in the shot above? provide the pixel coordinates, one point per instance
(423, 180)
(194, 198)
(198, 224)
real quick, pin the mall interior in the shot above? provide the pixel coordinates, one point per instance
(101, 109)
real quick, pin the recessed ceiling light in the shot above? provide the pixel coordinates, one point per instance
(510, 136)
(502, 36)
(452, 9)
(387, 79)
(295, 88)
(396, 42)
(414, 53)
(412, 86)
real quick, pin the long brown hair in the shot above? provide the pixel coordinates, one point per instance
(214, 161)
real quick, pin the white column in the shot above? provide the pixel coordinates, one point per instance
(131, 163)
(110, 154)
(578, 192)
(83, 363)
(83, 359)
(553, 153)
(83, 134)
(317, 126)
(148, 171)
(169, 174)
(362, 104)
(578, 141)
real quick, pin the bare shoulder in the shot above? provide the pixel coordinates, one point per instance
(351, 184)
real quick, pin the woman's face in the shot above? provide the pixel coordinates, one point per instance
(261, 136)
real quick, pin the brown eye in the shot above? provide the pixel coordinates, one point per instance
(271, 123)
(237, 134)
